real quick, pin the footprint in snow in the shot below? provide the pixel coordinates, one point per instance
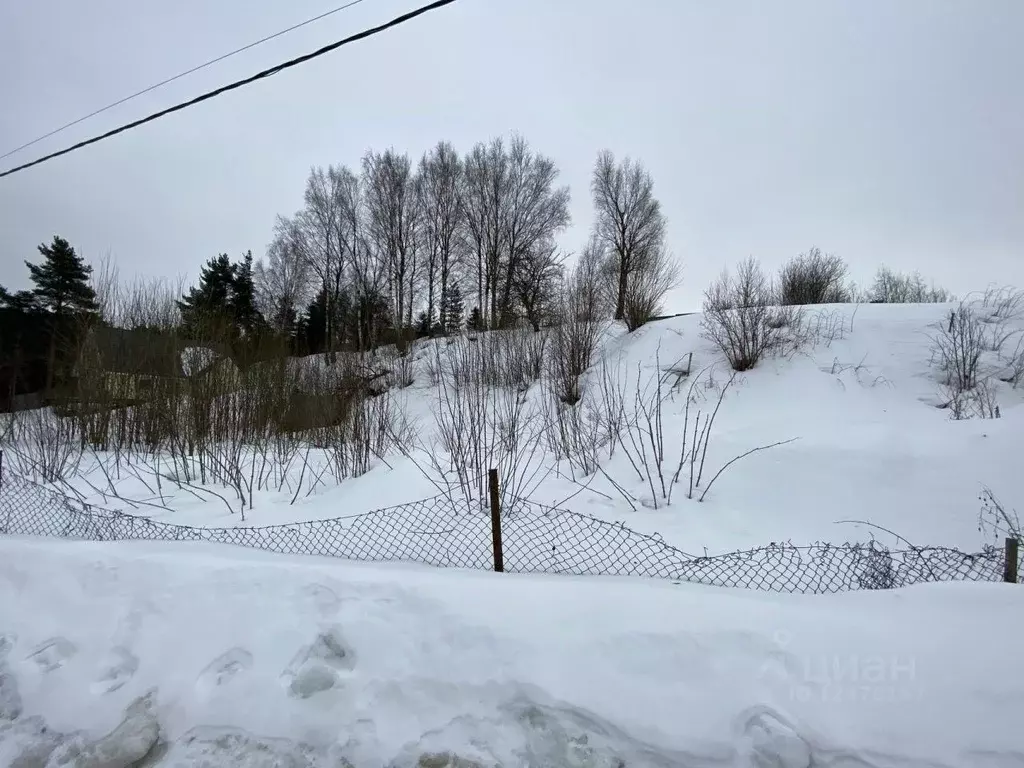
(53, 653)
(323, 599)
(119, 667)
(223, 670)
(7, 640)
(318, 666)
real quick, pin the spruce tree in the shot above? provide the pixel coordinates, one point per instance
(209, 303)
(243, 298)
(476, 320)
(452, 319)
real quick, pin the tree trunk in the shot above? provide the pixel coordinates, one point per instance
(620, 300)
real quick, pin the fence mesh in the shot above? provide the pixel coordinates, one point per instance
(536, 539)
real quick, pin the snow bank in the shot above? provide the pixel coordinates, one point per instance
(244, 658)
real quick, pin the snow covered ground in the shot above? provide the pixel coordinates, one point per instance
(250, 659)
(870, 446)
(201, 654)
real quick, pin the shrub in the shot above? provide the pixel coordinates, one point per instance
(892, 287)
(814, 278)
(575, 337)
(739, 317)
(658, 274)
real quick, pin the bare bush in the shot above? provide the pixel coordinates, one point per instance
(958, 347)
(892, 287)
(1013, 362)
(738, 316)
(481, 426)
(43, 445)
(814, 278)
(575, 337)
(996, 521)
(656, 274)
(663, 459)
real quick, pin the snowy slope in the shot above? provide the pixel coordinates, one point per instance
(870, 446)
(247, 657)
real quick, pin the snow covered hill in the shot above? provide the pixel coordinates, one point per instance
(867, 444)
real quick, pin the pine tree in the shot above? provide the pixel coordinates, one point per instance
(62, 289)
(452, 310)
(62, 280)
(20, 301)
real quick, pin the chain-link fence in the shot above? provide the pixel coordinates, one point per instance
(536, 539)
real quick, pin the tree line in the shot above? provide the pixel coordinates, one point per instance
(396, 248)
(449, 241)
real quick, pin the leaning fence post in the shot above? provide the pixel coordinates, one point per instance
(499, 560)
(1010, 565)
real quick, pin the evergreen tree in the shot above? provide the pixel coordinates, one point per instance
(476, 320)
(62, 290)
(424, 324)
(452, 320)
(243, 298)
(21, 301)
(223, 304)
(62, 280)
(209, 305)
(314, 324)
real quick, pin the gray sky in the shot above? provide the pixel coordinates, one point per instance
(882, 130)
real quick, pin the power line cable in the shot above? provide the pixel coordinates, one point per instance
(238, 83)
(187, 72)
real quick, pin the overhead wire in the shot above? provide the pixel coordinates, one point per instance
(180, 75)
(437, 4)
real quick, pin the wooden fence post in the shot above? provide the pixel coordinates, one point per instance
(499, 559)
(1010, 565)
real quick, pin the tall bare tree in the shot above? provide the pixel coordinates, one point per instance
(440, 176)
(532, 213)
(536, 282)
(629, 220)
(511, 206)
(283, 279)
(393, 220)
(484, 192)
(325, 223)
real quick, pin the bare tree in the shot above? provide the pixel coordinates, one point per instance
(629, 220)
(536, 282)
(510, 205)
(483, 192)
(393, 220)
(440, 176)
(532, 213)
(325, 223)
(282, 281)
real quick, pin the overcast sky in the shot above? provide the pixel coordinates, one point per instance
(882, 130)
